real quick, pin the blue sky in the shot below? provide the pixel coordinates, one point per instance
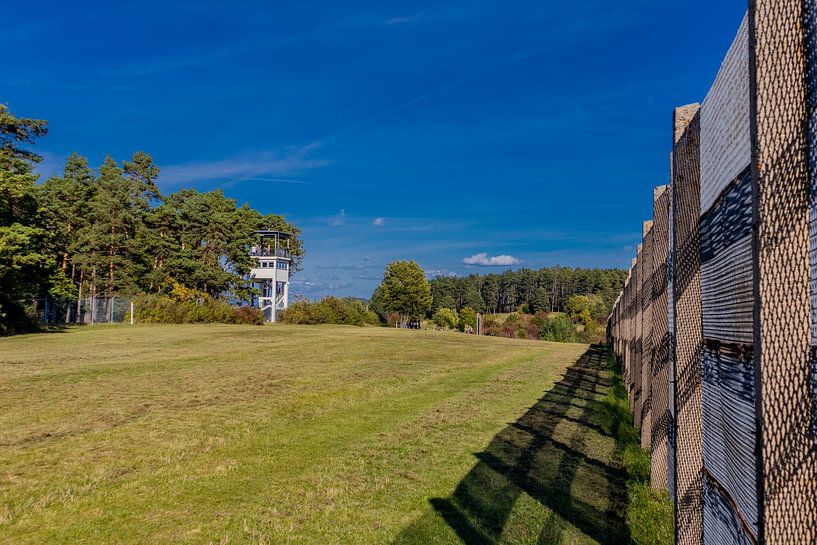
(470, 136)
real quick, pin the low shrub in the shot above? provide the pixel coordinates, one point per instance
(158, 309)
(467, 320)
(559, 329)
(17, 318)
(539, 319)
(329, 310)
(446, 317)
(250, 315)
(554, 327)
(512, 319)
(532, 331)
(491, 327)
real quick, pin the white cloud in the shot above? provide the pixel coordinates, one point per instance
(434, 273)
(379, 222)
(340, 219)
(404, 19)
(482, 260)
(241, 167)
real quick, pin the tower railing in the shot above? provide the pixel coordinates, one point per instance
(265, 251)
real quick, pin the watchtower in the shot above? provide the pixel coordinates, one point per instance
(270, 274)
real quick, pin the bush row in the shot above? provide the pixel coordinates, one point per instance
(158, 309)
(556, 328)
(330, 310)
(465, 320)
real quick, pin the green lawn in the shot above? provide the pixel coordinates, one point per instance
(304, 435)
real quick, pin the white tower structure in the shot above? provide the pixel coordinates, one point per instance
(270, 275)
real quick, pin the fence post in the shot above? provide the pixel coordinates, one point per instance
(688, 334)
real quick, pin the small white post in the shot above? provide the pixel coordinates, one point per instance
(131, 313)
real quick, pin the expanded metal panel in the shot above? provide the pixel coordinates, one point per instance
(688, 330)
(811, 104)
(625, 344)
(727, 295)
(660, 416)
(671, 441)
(630, 306)
(629, 323)
(729, 431)
(721, 524)
(784, 311)
(811, 81)
(646, 335)
(638, 311)
(725, 127)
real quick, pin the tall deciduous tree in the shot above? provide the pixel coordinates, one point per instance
(405, 290)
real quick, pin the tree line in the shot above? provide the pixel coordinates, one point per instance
(545, 290)
(110, 232)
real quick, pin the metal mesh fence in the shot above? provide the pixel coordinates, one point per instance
(671, 425)
(88, 310)
(638, 341)
(687, 334)
(633, 333)
(810, 25)
(811, 105)
(783, 334)
(646, 335)
(718, 320)
(729, 416)
(660, 417)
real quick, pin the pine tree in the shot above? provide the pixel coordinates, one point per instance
(160, 241)
(541, 300)
(64, 205)
(27, 268)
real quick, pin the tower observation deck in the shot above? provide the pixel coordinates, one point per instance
(270, 273)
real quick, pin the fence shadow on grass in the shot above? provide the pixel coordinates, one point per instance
(562, 469)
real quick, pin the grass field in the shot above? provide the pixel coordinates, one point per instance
(306, 435)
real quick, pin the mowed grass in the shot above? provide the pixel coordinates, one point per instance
(288, 434)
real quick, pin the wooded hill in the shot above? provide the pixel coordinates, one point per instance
(546, 289)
